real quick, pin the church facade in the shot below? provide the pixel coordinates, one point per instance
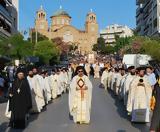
(61, 27)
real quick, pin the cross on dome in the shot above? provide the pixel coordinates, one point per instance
(41, 7)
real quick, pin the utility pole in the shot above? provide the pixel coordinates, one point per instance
(36, 36)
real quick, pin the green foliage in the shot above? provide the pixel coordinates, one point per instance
(40, 37)
(72, 47)
(16, 47)
(101, 43)
(109, 50)
(100, 46)
(152, 48)
(144, 45)
(122, 42)
(95, 47)
(46, 51)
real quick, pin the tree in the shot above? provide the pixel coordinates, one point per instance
(46, 51)
(40, 37)
(151, 47)
(95, 47)
(16, 47)
(64, 47)
(100, 46)
(101, 43)
(109, 50)
(144, 45)
(122, 42)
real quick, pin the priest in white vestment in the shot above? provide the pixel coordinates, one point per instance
(39, 87)
(119, 78)
(128, 82)
(104, 78)
(47, 88)
(36, 106)
(70, 72)
(44, 82)
(114, 79)
(88, 69)
(97, 71)
(58, 77)
(80, 96)
(121, 87)
(53, 84)
(110, 74)
(139, 95)
(64, 79)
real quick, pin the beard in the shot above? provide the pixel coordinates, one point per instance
(133, 73)
(31, 76)
(141, 75)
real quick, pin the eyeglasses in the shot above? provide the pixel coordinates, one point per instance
(80, 71)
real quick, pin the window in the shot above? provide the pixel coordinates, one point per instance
(15, 23)
(62, 21)
(155, 23)
(58, 21)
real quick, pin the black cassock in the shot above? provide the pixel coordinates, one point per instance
(155, 123)
(20, 103)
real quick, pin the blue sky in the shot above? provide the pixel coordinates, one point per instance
(108, 11)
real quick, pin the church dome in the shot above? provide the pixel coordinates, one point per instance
(61, 12)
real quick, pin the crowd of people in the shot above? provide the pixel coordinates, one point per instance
(138, 88)
(33, 89)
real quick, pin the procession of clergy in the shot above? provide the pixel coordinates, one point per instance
(131, 85)
(32, 93)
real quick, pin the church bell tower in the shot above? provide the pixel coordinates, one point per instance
(41, 23)
(91, 23)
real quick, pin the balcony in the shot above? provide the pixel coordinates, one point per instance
(4, 33)
(138, 2)
(5, 13)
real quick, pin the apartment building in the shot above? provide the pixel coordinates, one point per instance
(148, 17)
(8, 17)
(110, 33)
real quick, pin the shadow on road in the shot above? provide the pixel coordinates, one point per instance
(123, 113)
(4, 126)
(120, 107)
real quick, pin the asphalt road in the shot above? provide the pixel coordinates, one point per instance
(108, 115)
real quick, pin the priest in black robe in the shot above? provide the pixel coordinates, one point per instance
(155, 123)
(20, 100)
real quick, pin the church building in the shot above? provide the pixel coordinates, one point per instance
(61, 27)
